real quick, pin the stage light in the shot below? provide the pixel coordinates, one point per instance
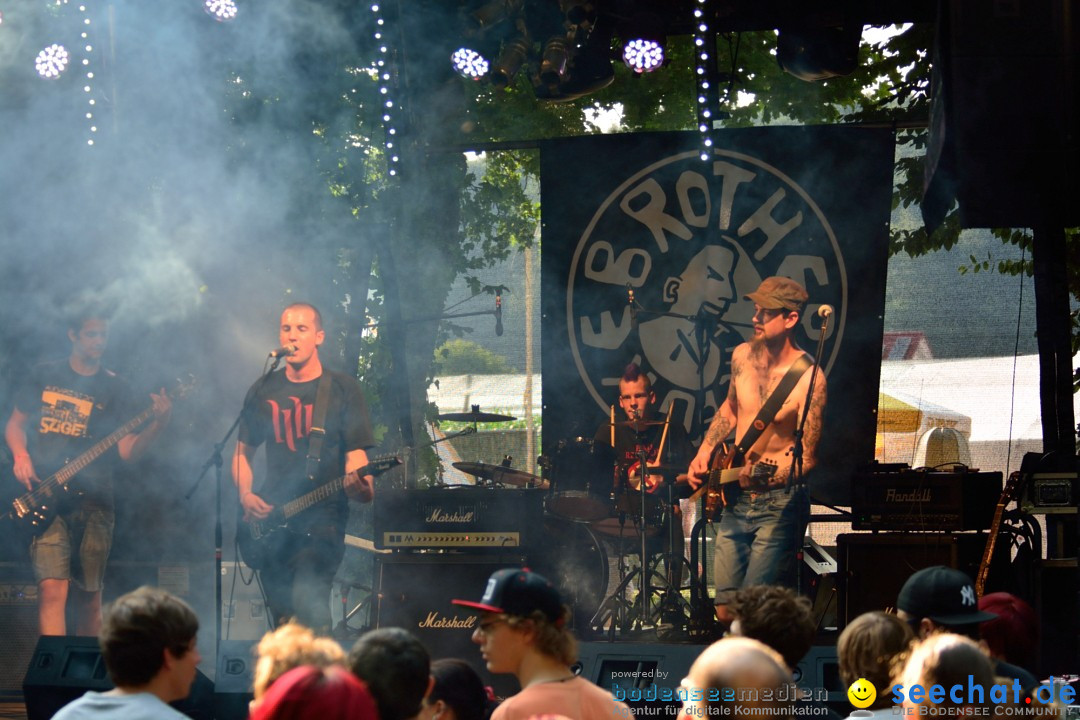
(553, 62)
(52, 61)
(819, 53)
(469, 63)
(510, 61)
(643, 55)
(220, 10)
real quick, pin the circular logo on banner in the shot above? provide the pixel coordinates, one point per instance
(660, 273)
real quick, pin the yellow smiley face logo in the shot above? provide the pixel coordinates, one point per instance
(862, 693)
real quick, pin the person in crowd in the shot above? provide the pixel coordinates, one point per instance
(739, 678)
(871, 647)
(948, 660)
(942, 599)
(148, 644)
(288, 646)
(1012, 636)
(397, 669)
(776, 616)
(457, 693)
(317, 693)
(522, 631)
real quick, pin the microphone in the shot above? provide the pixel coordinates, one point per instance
(498, 314)
(283, 351)
(825, 311)
(632, 304)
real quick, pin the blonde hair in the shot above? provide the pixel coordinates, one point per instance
(868, 648)
(552, 639)
(288, 647)
(947, 659)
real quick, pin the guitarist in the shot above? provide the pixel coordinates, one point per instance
(278, 411)
(62, 409)
(761, 531)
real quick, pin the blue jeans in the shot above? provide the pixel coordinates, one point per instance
(758, 540)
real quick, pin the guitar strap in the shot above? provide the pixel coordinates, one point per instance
(772, 405)
(318, 426)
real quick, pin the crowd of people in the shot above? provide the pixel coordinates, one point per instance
(940, 635)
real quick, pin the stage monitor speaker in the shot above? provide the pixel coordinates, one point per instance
(235, 675)
(873, 567)
(415, 593)
(818, 672)
(19, 618)
(641, 675)
(65, 667)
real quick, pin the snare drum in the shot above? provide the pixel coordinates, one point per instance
(582, 475)
(625, 520)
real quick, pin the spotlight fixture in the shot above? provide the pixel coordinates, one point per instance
(52, 61)
(220, 10)
(643, 55)
(469, 63)
(510, 61)
(819, 53)
(554, 61)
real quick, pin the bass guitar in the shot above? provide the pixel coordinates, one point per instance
(717, 486)
(1012, 486)
(33, 511)
(255, 537)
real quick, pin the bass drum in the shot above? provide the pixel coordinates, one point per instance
(574, 559)
(582, 474)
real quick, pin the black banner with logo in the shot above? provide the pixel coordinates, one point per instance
(644, 215)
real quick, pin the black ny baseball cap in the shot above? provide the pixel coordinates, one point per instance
(519, 592)
(943, 594)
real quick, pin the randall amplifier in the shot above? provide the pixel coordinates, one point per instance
(925, 500)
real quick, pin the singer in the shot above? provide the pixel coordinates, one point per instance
(763, 521)
(280, 410)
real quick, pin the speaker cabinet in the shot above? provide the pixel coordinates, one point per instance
(415, 593)
(873, 567)
(234, 678)
(19, 618)
(64, 668)
(641, 675)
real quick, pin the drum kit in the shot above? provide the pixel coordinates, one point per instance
(590, 509)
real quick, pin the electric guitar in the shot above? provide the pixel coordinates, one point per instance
(723, 472)
(1012, 486)
(33, 511)
(255, 537)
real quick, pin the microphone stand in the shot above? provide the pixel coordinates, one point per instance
(216, 461)
(795, 474)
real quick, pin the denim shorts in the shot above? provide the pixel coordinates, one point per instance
(91, 529)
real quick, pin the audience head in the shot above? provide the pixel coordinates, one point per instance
(1012, 636)
(868, 647)
(736, 670)
(938, 598)
(291, 645)
(948, 659)
(315, 693)
(777, 617)
(149, 635)
(522, 613)
(396, 668)
(458, 693)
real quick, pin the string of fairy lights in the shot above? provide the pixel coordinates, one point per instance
(705, 77)
(382, 68)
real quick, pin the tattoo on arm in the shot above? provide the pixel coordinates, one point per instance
(814, 419)
(718, 430)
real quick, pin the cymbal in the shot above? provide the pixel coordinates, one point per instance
(475, 416)
(500, 474)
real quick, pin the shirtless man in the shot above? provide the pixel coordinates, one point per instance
(761, 532)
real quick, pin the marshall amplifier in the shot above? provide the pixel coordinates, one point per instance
(462, 518)
(925, 500)
(415, 593)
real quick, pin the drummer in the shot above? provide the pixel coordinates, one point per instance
(663, 444)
